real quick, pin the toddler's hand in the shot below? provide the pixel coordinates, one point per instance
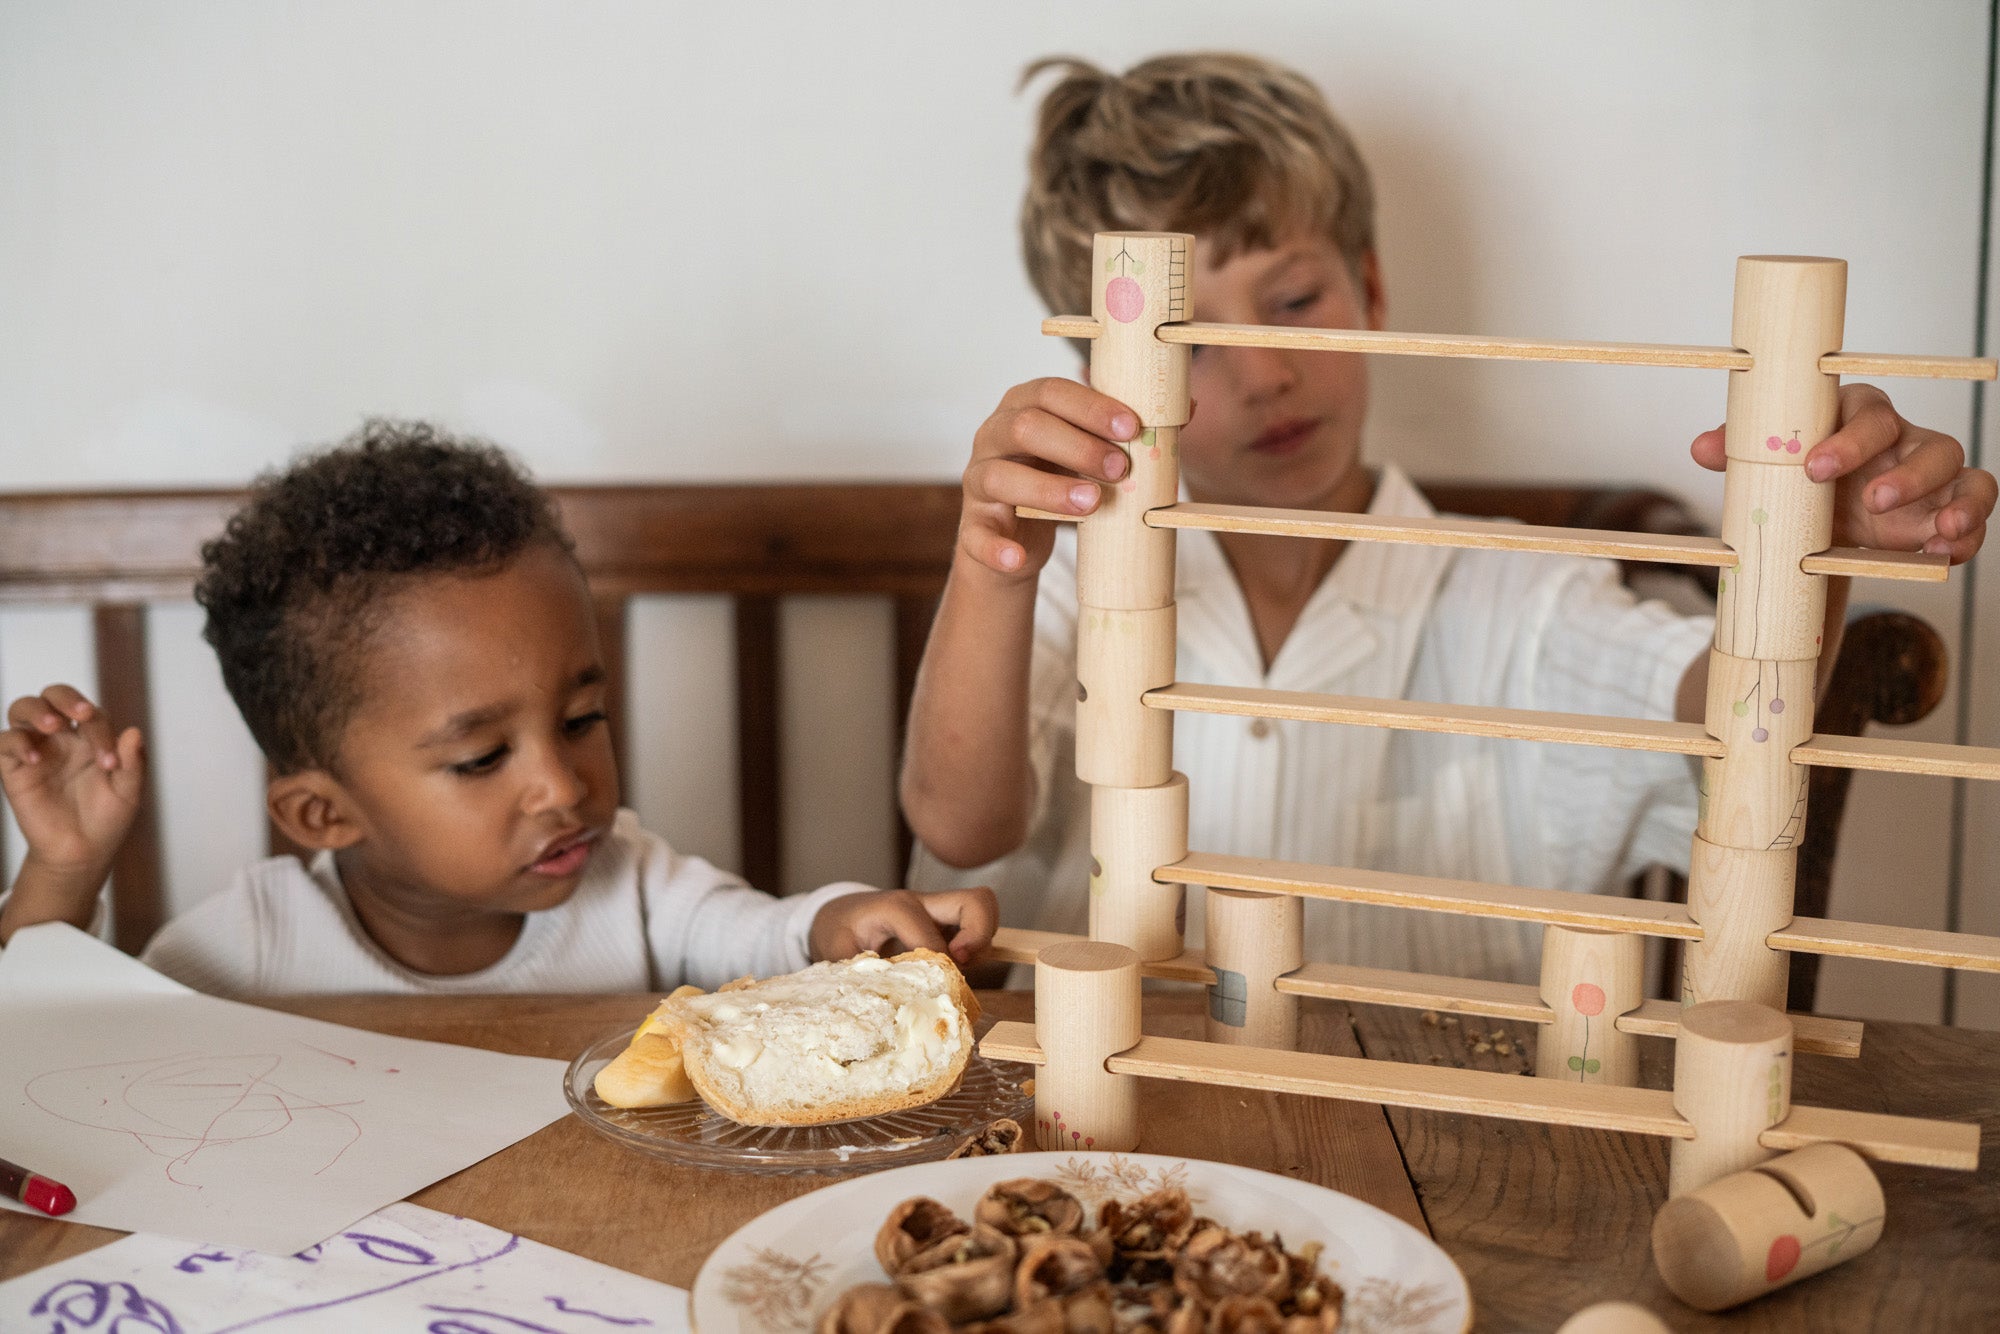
(1898, 487)
(74, 786)
(958, 922)
(1047, 446)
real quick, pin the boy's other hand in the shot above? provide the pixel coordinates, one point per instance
(74, 784)
(958, 922)
(1898, 486)
(1050, 445)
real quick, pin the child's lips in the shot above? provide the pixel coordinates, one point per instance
(566, 856)
(1285, 437)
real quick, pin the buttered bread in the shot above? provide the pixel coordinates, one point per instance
(836, 1041)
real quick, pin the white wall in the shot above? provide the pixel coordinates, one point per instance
(776, 240)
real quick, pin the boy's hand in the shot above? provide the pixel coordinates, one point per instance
(958, 922)
(1898, 487)
(74, 786)
(1047, 446)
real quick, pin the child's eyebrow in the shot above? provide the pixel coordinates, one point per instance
(461, 725)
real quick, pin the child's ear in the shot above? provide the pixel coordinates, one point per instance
(1374, 296)
(311, 809)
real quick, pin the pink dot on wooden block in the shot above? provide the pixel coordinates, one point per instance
(1125, 299)
(1784, 1258)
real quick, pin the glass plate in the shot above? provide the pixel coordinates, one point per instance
(690, 1132)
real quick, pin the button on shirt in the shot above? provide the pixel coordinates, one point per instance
(1511, 629)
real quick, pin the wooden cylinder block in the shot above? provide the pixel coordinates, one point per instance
(1732, 1081)
(1614, 1318)
(1120, 560)
(1250, 941)
(1589, 978)
(1139, 281)
(1747, 1234)
(1086, 1011)
(1755, 796)
(1133, 832)
(1120, 655)
(1773, 517)
(1789, 312)
(1739, 896)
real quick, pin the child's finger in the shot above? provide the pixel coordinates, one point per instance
(128, 776)
(1869, 426)
(1708, 450)
(18, 747)
(1932, 466)
(972, 916)
(898, 917)
(34, 714)
(1080, 405)
(1010, 483)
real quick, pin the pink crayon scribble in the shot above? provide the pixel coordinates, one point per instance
(188, 1105)
(335, 1055)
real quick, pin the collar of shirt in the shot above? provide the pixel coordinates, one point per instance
(1376, 596)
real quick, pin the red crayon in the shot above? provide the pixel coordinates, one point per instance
(36, 1191)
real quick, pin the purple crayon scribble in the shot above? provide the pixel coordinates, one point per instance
(193, 1264)
(512, 1243)
(567, 1309)
(78, 1304)
(459, 1327)
(393, 1251)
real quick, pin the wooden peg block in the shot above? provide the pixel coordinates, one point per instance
(1121, 560)
(1134, 831)
(1120, 655)
(1589, 978)
(1789, 312)
(1250, 941)
(1755, 795)
(1086, 1011)
(1773, 517)
(1749, 1233)
(1139, 281)
(1739, 896)
(1614, 1318)
(1732, 1082)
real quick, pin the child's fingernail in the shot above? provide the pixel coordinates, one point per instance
(1115, 464)
(1124, 426)
(1083, 495)
(108, 760)
(1010, 558)
(1819, 469)
(1885, 497)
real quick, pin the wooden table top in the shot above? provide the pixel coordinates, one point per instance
(1543, 1220)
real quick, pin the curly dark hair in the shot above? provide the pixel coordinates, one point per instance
(294, 585)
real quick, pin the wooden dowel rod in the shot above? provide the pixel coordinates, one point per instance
(1814, 1033)
(1466, 897)
(1908, 365)
(1013, 944)
(1490, 534)
(1893, 1139)
(1892, 364)
(1657, 548)
(1581, 729)
(1897, 944)
(1897, 756)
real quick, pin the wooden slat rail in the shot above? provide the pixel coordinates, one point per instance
(1425, 716)
(1450, 995)
(1898, 756)
(1893, 1139)
(1895, 944)
(1497, 535)
(1696, 356)
(1470, 898)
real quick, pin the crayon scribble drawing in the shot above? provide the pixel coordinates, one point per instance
(202, 1113)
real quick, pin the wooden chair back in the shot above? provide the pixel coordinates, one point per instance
(117, 551)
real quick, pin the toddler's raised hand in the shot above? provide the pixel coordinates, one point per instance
(74, 784)
(1047, 446)
(958, 922)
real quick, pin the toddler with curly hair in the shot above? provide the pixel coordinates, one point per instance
(404, 626)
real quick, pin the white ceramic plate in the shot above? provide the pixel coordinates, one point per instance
(777, 1272)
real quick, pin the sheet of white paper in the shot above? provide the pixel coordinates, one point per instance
(405, 1268)
(172, 1112)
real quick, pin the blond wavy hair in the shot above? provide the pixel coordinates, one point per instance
(1238, 150)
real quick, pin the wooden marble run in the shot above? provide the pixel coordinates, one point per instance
(1730, 1106)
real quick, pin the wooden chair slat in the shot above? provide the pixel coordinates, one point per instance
(138, 903)
(759, 754)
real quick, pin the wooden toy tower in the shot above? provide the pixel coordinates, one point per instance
(1731, 1102)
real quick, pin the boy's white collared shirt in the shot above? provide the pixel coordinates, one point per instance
(1389, 621)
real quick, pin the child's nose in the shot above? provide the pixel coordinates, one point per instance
(559, 783)
(1261, 372)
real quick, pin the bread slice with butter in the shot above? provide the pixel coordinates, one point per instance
(833, 1042)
